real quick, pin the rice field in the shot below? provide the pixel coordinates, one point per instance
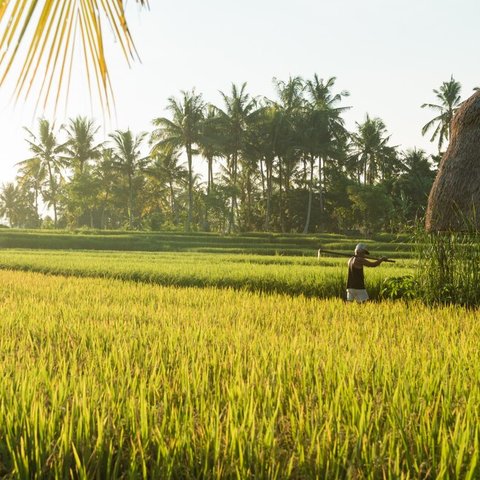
(290, 275)
(107, 373)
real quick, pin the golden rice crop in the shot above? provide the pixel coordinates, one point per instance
(291, 275)
(105, 378)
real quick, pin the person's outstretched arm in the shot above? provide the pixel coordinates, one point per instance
(364, 262)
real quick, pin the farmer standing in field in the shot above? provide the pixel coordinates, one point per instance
(356, 282)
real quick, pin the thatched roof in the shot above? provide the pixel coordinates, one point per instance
(454, 201)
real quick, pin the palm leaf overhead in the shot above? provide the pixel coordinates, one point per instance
(45, 35)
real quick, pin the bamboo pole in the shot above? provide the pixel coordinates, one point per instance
(341, 254)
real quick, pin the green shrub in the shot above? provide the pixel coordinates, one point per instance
(448, 269)
(404, 287)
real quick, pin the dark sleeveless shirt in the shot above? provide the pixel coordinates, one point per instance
(355, 276)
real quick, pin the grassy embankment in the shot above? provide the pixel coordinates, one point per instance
(252, 243)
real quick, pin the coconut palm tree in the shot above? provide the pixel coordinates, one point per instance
(182, 131)
(209, 141)
(370, 150)
(168, 173)
(31, 176)
(16, 205)
(48, 152)
(80, 149)
(210, 147)
(286, 113)
(106, 174)
(448, 96)
(262, 138)
(238, 110)
(80, 146)
(324, 133)
(129, 161)
(9, 202)
(45, 34)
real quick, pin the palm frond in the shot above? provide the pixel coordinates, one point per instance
(45, 35)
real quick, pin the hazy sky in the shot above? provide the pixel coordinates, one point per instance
(389, 54)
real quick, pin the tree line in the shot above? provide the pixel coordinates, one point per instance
(287, 165)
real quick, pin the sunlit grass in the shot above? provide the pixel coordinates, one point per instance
(104, 378)
(280, 274)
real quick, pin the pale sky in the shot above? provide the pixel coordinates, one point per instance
(389, 54)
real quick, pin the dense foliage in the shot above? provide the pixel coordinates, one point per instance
(286, 165)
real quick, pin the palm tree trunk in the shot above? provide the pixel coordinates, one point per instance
(264, 191)
(172, 204)
(268, 210)
(320, 182)
(262, 176)
(130, 201)
(55, 218)
(280, 196)
(190, 187)
(249, 202)
(53, 192)
(209, 186)
(233, 206)
(287, 176)
(235, 199)
(210, 173)
(36, 193)
(102, 215)
(370, 172)
(310, 197)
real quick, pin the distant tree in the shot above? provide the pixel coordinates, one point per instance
(324, 134)
(448, 96)
(48, 152)
(31, 176)
(372, 207)
(167, 174)
(129, 161)
(16, 206)
(412, 185)
(80, 146)
(9, 199)
(290, 103)
(337, 201)
(371, 157)
(249, 178)
(235, 116)
(81, 199)
(182, 131)
(106, 175)
(210, 144)
(80, 150)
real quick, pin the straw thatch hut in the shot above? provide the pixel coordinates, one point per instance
(454, 201)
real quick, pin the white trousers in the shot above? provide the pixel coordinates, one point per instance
(357, 295)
